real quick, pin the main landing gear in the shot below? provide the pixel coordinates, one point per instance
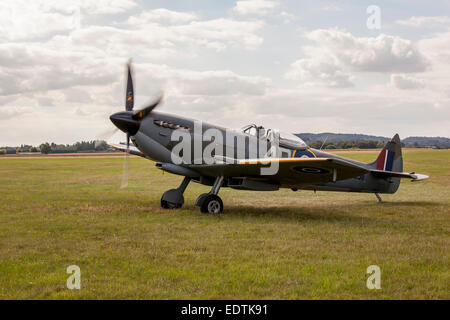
(211, 202)
(173, 198)
(208, 202)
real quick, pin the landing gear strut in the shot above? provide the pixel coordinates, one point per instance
(211, 202)
(378, 197)
(173, 198)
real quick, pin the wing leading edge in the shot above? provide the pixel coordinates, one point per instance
(124, 149)
(303, 170)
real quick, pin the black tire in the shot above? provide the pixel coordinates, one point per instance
(201, 198)
(172, 199)
(170, 205)
(212, 204)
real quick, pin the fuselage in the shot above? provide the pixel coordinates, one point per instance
(156, 141)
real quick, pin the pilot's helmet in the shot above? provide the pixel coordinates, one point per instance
(261, 131)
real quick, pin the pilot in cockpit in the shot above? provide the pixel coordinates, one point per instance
(254, 130)
(287, 140)
(261, 132)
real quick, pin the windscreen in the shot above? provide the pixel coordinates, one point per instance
(292, 141)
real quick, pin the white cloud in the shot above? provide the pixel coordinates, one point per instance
(401, 81)
(19, 21)
(437, 49)
(90, 7)
(324, 71)
(257, 7)
(162, 15)
(287, 17)
(185, 82)
(332, 7)
(32, 68)
(383, 53)
(11, 112)
(222, 31)
(106, 6)
(22, 20)
(94, 55)
(336, 53)
(420, 22)
(80, 112)
(215, 34)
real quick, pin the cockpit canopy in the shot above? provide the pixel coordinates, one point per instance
(254, 130)
(287, 140)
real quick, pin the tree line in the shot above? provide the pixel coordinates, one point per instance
(45, 148)
(102, 146)
(363, 144)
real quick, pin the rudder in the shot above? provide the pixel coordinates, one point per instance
(390, 158)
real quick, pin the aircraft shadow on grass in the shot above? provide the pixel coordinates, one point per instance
(341, 214)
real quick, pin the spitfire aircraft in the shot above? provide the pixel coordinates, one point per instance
(240, 166)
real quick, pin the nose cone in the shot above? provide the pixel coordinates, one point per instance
(125, 122)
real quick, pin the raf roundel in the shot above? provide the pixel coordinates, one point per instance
(312, 170)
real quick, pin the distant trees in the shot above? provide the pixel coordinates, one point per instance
(81, 146)
(363, 144)
(45, 148)
(26, 148)
(102, 146)
(346, 141)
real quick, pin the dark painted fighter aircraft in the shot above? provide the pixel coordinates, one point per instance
(239, 166)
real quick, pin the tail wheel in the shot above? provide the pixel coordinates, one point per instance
(212, 204)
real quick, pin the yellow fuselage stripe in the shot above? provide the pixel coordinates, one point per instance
(264, 161)
(312, 153)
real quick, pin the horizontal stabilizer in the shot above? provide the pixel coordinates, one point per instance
(414, 176)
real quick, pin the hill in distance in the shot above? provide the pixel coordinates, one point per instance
(334, 138)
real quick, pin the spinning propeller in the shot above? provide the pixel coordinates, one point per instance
(129, 120)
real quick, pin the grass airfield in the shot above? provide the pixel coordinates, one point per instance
(56, 212)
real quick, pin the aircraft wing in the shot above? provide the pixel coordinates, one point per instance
(290, 170)
(132, 151)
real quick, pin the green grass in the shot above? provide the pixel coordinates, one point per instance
(56, 212)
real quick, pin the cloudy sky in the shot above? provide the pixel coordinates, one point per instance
(297, 65)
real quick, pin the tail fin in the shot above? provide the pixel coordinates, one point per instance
(390, 158)
(388, 166)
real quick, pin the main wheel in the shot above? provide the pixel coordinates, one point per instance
(212, 204)
(170, 205)
(172, 199)
(200, 199)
